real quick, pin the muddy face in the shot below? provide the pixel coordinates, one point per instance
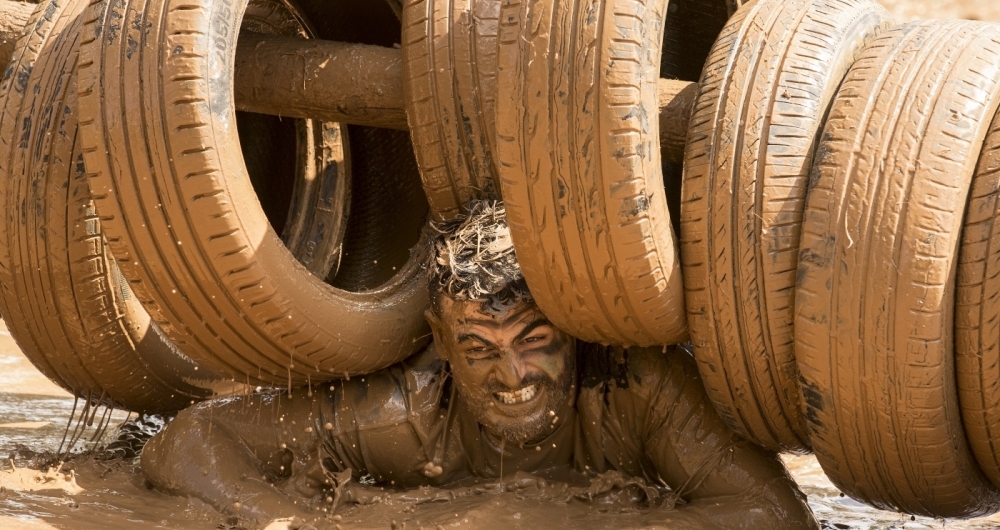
(511, 368)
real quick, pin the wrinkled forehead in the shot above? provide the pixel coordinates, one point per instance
(465, 313)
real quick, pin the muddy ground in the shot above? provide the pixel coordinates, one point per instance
(89, 493)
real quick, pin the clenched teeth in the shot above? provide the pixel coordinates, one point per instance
(519, 396)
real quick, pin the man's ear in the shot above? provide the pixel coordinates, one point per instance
(434, 321)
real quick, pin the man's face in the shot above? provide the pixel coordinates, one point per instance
(511, 369)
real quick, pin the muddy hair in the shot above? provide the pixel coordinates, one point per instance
(473, 259)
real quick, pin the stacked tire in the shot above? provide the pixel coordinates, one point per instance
(830, 159)
(192, 234)
(836, 208)
(875, 303)
(61, 293)
(192, 194)
(766, 88)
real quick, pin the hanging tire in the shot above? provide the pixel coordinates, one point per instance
(450, 70)
(183, 219)
(449, 82)
(874, 313)
(767, 86)
(61, 295)
(579, 167)
(977, 310)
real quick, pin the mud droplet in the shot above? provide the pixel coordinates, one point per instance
(237, 505)
(328, 426)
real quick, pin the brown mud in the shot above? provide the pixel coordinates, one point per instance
(33, 414)
(332, 81)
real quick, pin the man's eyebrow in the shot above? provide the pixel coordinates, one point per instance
(532, 327)
(462, 337)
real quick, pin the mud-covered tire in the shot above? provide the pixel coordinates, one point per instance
(450, 70)
(14, 15)
(977, 310)
(579, 167)
(61, 295)
(449, 82)
(874, 306)
(183, 222)
(767, 86)
(300, 169)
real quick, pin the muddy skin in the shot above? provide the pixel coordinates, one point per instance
(638, 412)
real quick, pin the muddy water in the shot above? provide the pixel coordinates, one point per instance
(87, 493)
(34, 412)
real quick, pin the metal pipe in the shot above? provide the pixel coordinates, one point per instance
(363, 85)
(325, 80)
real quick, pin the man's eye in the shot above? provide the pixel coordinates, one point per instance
(479, 352)
(534, 338)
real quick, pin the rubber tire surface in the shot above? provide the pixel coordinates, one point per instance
(580, 171)
(874, 307)
(769, 83)
(184, 223)
(299, 169)
(977, 310)
(60, 293)
(449, 72)
(449, 81)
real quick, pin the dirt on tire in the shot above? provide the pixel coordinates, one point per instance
(449, 73)
(874, 305)
(977, 310)
(185, 224)
(580, 167)
(61, 294)
(765, 91)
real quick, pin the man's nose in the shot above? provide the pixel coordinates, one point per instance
(511, 371)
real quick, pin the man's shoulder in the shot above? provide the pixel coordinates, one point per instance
(394, 394)
(637, 370)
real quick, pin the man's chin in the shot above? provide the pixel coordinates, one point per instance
(518, 431)
(518, 423)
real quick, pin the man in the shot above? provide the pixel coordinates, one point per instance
(499, 390)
